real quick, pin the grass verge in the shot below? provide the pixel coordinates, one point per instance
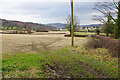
(68, 62)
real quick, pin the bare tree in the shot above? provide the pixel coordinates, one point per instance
(76, 23)
(104, 8)
(108, 9)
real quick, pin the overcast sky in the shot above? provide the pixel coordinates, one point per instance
(44, 11)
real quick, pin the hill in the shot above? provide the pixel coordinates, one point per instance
(91, 25)
(56, 25)
(62, 25)
(20, 24)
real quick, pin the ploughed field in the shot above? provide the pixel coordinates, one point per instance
(49, 55)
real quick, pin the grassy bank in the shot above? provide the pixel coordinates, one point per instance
(66, 63)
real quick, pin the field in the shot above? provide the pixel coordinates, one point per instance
(50, 55)
(88, 33)
(36, 41)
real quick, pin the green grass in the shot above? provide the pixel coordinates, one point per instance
(87, 29)
(21, 63)
(88, 33)
(83, 30)
(103, 34)
(84, 33)
(73, 62)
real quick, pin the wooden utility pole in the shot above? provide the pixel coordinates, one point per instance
(72, 33)
(118, 19)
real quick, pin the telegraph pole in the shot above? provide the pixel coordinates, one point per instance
(118, 19)
(72, 33)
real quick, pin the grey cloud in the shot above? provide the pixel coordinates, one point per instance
(55, 11)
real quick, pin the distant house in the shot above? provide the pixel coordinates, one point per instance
(64, 29)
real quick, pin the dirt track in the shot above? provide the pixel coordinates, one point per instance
(47, 41)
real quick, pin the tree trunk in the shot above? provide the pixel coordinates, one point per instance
(119, 19)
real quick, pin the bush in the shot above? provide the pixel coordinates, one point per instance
(6, 28)
(97, 31)
(41, 30)
(3, 28)
(107, 31)
(23, 29)
(14, 28)
(93, 43)
(10, 28)
(116, 30)
(29, 31)
(16, 32)
(103, 42)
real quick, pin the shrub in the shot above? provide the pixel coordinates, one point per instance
(23, 29)
(41, 30)
(16, 32)
(14, 28)
(93, 43)
(107, 31)
(10, 28)
(6, 28)
(116, 30)
(97, 31)
(3, 28)
(103, 42)
(29, 31)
